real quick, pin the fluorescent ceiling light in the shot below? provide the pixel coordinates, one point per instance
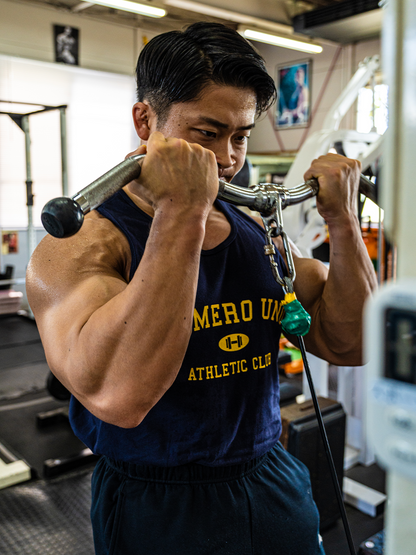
(133, 7)
(282, 41)
(227, 15)
(245, 21)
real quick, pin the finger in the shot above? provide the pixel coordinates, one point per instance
(325, 164)
(313, 172)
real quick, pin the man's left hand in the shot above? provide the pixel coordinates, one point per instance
(338, 178)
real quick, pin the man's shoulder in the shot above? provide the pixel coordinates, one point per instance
(99, 244)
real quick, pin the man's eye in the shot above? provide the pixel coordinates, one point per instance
(207, 133)
(242, 138)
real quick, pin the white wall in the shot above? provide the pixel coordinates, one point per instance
(98, 122)
(27, 31)
(28, 73)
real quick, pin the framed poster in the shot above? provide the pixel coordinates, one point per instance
(66, 44)
(9, 242)
(293, 90)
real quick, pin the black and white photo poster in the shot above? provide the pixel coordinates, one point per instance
(66, 44)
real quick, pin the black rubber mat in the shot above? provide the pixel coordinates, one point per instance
(18, 381)
(23, 375)
(19, 343)
(47, 518)
(17, 330)
(20, 431)
(14, 355)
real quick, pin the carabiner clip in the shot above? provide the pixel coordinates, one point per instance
(273, 225)
(296, 320)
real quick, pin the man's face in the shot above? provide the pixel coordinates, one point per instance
(220, 120)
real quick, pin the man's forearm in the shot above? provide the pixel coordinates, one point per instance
(350, 282)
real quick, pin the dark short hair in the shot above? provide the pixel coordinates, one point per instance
(175, 67)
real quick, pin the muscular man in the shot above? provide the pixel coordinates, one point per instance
(162, 318)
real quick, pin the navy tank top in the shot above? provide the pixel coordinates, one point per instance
(223, 407)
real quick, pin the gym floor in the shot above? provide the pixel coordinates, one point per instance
(49, 514)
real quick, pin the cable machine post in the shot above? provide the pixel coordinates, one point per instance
(395, 446)
(29, 190)
(64, 158)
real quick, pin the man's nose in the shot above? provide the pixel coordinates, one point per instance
(225, 155)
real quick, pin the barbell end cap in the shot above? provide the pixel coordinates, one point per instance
(62, 217)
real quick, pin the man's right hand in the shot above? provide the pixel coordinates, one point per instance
(176, 173)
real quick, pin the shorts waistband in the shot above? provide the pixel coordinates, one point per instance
(187, 473)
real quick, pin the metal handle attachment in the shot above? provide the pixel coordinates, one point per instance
(63, 216)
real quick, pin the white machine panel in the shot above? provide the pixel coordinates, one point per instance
(391, 351)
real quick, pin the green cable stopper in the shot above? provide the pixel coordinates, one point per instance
(296, 321)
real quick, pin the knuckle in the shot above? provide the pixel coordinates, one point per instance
(337, 172)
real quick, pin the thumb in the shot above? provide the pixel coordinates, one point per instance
(142, 149)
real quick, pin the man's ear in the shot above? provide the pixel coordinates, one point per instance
(143, 117)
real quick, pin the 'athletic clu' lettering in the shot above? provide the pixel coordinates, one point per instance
(227, 369)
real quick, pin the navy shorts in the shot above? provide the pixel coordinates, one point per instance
(262, 507)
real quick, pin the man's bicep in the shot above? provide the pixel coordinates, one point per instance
(323, 337)
(311, 277)
(64, 292)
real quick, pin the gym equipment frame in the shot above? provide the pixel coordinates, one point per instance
(22, 121)
(12, 470)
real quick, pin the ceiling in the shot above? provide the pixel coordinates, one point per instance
(350, 29)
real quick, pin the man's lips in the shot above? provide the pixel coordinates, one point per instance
(224, 177)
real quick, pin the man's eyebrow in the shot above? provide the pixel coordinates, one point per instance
(223, 125)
